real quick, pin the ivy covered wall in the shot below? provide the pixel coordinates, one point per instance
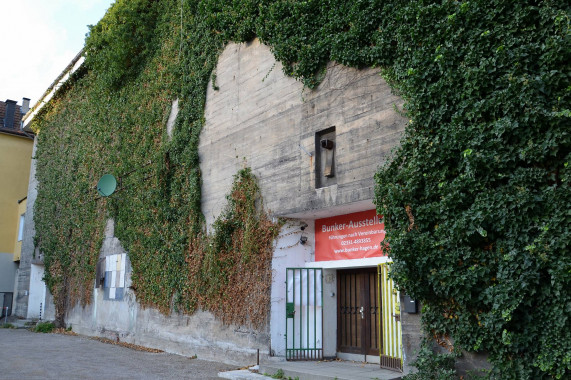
(476, 199)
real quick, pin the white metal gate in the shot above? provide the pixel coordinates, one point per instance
(304, 313)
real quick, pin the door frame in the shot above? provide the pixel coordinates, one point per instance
(365, 301)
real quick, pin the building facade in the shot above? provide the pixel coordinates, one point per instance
(314, 153)
(15, 158)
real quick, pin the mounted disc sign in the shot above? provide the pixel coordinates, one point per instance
(106, 185)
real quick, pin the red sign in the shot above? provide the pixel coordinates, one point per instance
(351, 236)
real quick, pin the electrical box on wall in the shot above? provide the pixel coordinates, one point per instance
(410, 305)
(290, 310)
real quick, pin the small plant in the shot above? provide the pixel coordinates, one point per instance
(278, 375)
(44, 327)
(433, 366)
(8, 326)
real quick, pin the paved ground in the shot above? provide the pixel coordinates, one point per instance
(28, 355)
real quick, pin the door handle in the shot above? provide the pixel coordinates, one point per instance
(362, 311)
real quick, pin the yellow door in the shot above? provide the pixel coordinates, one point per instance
(389, 324)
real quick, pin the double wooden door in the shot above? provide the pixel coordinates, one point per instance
(358, 318)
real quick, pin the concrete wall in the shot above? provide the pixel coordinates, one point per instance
(37, 295)
(28, 252)
(199, 334)
(262, 119)
(288, 253)
(411, 334)
(330, 313)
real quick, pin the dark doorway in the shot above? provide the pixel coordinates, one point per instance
(358, 311)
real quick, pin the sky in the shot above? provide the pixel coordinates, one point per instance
(39, 39)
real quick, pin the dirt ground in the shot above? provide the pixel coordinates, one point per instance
(28, 355)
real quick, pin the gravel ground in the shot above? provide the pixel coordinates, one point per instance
(28, 355)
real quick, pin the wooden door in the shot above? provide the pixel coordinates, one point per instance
(358, 312)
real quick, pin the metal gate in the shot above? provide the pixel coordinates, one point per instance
(390, 324)
(304, 313)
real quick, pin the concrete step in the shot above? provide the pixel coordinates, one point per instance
(328, 370)
(19, 323)
(242, 374)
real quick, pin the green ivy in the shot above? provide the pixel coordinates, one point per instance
(432, 365)
(476, 199)
(123, 40)
(235, 274)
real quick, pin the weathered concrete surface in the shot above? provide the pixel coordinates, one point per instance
(411, 335)
(27, 355)
(199, 334)
(329, 370)
(322, 370)
(260, 118)
(241, 374)
(30, 255)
